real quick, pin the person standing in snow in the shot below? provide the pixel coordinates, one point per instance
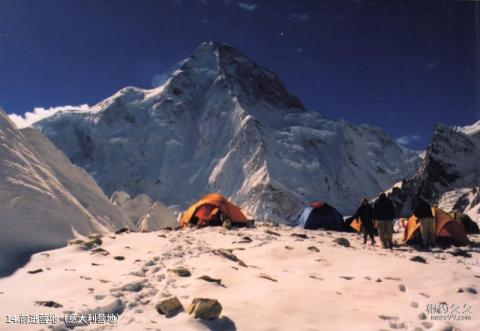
(423, 211)
(365, 214)
(384, 213)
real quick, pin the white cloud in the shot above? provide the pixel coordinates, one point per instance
(432, 65)
(39, 113)
(405, 140)
(247, 6)
(299, 18)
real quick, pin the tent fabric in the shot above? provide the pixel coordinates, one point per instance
(207, 208)
(447, 229)
(319, 215)
(317, 204)
(302, 219)
(470, 226)
(356, 224)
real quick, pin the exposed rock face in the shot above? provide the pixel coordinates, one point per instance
(224, 124)
(449, 175)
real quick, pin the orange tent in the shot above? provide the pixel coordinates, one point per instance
(356, 225)
(447, 229)
(207, 208)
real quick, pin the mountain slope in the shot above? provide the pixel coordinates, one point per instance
(223, 123)
(449, 175)
(44, 199)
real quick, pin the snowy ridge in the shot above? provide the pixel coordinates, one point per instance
(223, 123)
(471, 130)
(44, 199)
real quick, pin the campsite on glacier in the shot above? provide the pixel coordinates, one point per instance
(239, 165)
(92, 199)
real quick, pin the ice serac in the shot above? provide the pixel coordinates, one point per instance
(224, 124)
(44, 199)
(146, 214)
(449, 175)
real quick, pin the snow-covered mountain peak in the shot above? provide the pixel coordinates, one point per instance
(224, 124)
(224, 65)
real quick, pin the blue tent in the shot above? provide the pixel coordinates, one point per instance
(320, 215)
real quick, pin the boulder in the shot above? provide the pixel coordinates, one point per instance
(181, 271)
(50, 304)
(342, 242)
(206, 309)
(169, 307)
(419, 259)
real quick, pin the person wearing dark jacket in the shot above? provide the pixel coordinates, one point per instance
(365, 214)
(384, 213)
(423, 211)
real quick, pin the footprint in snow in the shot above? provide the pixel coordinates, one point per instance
(138, 273)
(387, 317)
(316, 277)
(427, 325)
(149, 263)
(392, 278)
(397, 325)
(470, 290)
(422, 316)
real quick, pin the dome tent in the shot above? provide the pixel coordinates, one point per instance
(320, 215)
(209, 209)
(447, 230)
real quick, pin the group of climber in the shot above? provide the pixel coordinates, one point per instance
(382, 214)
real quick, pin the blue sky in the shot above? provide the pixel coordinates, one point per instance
(400, 65)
